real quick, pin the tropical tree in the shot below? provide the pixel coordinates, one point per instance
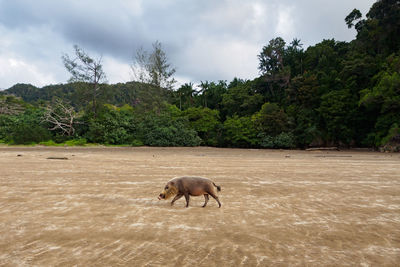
(83, 68)
(271, 119)
(338, 111)
(354, 16)
(239, 132)
(29, 128)
(205, 122)
(112, 126)
(272, 67)
(271, 57)
(293, 57)
(185, 94)
(384, 98)
(153, 68)
(242, 100)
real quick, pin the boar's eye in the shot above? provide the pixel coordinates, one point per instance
(166, 187)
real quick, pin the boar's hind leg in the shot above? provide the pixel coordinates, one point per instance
(206, 200)
(176, 198)
(216, 198)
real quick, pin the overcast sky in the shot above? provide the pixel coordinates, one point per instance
(204, 39)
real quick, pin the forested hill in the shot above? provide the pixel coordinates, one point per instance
(331, 93)
(75, 93)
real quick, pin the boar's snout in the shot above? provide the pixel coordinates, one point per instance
(161, 196)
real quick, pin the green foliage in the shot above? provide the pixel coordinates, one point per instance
(205, 122)
(50, 143)
(163, 130)
(283, 140)
(354, 15)
(325, 59)
(24, 134)
(153, 68)
(380, 33)
(72, 142)
(112, 126)
(87, 70)
(239, 132)
(271, 56)
(76, 142)
(184, 96)
(27, 133)
(270, 120)
(241, 100)
(27, 128)
(28, 91)
(338, 110)
(393, 135)
(386, 93)
(136, 143)
(304, 91)
(304, 125)
(211, 93)
(7, 122)
(293, 57)
(384, 97)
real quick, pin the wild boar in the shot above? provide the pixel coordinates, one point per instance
(190, 186)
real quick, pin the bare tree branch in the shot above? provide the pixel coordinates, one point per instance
(62, 117)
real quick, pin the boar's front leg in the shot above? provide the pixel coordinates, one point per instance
(187, 199)
(176, 198)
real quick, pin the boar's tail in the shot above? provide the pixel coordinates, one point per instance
(218, 187)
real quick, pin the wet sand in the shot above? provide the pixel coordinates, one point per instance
(99, 207)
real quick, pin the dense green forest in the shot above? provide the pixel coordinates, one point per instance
(333, 93)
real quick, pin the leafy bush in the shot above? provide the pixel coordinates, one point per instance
(28, 128)
(162, 130)
(271, 119)
(391, 142)
(283, 140)
(239, 132)
(205, 122)
(7, 122)
(112, 126)
(338, 112)
(26, 133)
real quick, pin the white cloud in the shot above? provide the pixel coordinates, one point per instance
(221, 60)
(14, 70)
(285, 24)
(116, 71)
(31, 55)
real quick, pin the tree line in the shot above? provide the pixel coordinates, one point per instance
(332, 93)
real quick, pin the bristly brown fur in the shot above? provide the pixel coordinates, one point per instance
(171, 191)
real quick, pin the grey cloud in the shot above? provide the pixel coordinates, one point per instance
(205, 39)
